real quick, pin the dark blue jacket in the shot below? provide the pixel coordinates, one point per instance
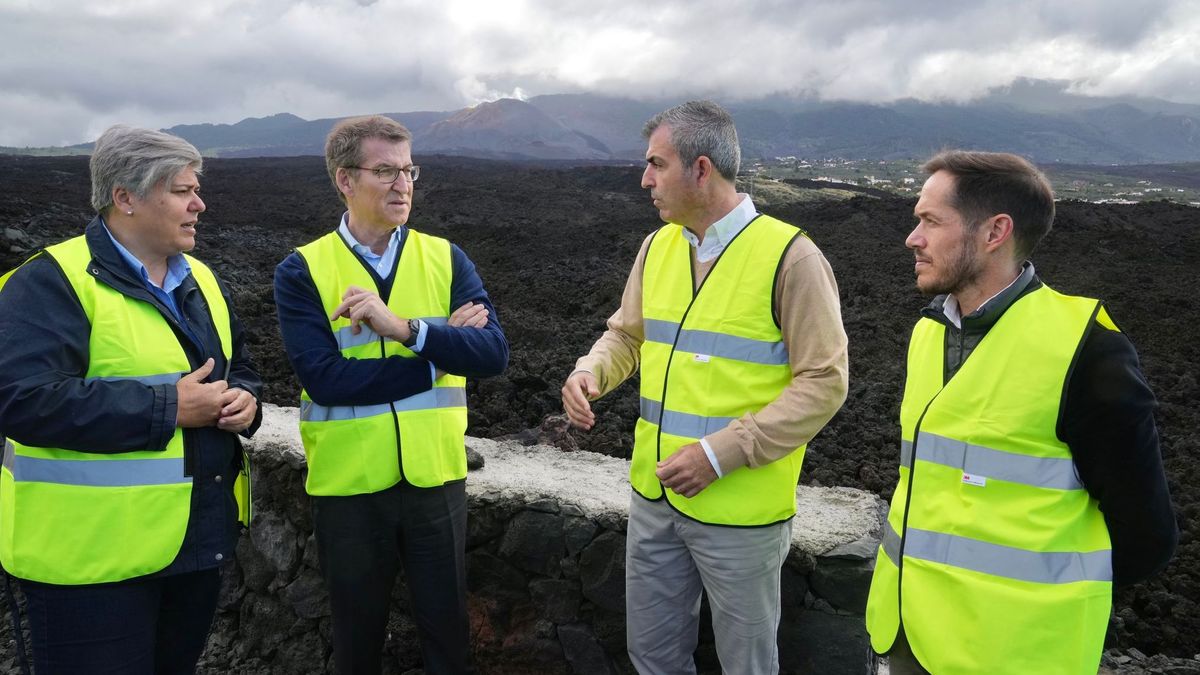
(44, 401)
(333, 380)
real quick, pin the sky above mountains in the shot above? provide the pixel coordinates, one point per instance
(70, 69)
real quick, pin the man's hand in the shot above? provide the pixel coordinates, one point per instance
(363, 306)
(238, 412)
(470, 315)
(687, 471)
(199, 403)
(579, 389)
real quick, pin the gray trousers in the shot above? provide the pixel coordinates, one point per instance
(901, 660)
(670, 560)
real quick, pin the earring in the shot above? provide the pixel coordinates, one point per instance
(129, 212)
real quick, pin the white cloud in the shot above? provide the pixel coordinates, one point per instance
(71, 68)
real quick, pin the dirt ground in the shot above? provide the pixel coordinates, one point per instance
(554, 245)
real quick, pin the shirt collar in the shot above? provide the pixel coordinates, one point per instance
(362, 249)
(177, 266)
(994, 304)
(719, 234)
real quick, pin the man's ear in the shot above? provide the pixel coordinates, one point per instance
(998, 230)
(703, 169)
(343, 181)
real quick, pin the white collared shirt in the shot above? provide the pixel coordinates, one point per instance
(951, 309)
(719, 234)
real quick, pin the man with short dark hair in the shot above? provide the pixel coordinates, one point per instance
(365, 313)
(733, 318)
(1030, 473)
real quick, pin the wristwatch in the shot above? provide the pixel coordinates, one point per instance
(413, 327)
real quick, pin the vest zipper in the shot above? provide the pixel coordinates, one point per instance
(662, 408)
(181, 336)
(395, 419)
(912, 471)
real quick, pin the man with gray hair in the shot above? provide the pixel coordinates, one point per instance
(124, 384)
(733, 318)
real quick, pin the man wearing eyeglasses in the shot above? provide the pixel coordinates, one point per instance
(365, 313)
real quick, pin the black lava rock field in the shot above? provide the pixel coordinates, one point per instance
(554, 245)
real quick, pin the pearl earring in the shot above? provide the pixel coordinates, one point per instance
(129, 213)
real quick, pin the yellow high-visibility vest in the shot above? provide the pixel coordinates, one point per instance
(70, 517)
(710, 356)
(420, 439)
(994, 557)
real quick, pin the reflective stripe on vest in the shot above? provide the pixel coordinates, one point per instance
(346, 338)
(70, 517)
(1002, 561)
(124, 473)
(148, 380)
(681, 424)
(441, 397)
(989, 520)
(709, 357)
(977, 460)
(419, 439)
(716, 344)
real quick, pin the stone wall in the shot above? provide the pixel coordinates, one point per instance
(545, 565)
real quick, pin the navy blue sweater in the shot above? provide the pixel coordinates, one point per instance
(333, 380)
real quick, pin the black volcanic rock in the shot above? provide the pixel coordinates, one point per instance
(554, 246)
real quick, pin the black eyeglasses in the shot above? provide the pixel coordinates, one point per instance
(389, 174)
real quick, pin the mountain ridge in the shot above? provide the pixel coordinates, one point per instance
(1040, 119)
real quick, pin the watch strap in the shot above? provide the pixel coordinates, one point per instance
(414, 328)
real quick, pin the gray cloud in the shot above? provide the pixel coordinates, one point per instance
(69, 70)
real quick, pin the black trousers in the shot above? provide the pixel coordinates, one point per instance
(148, 625)
(361, 542)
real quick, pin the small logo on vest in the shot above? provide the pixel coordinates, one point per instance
(701, 358)
(972, 479)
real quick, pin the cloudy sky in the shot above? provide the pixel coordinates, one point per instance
(69, 68)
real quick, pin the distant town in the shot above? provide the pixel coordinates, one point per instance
(1128, 184)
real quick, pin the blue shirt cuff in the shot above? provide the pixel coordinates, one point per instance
(421, 333)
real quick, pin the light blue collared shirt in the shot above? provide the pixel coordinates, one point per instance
(178, 269)
(719, 234)
(382, 263)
